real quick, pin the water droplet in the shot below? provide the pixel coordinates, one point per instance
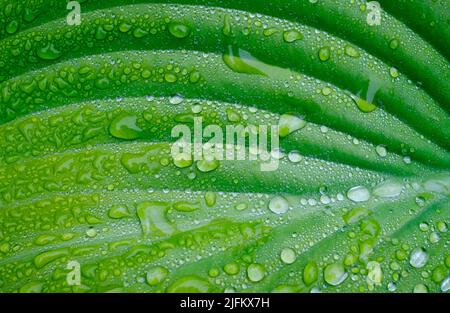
(375, 274)
(355, 215)
(194, 77)
(100, 34)
(179, 30)
(49, 256)
(295, 157)
(310, 273)
(292, 35)
(118, 211)
(233, 116)
(335, 274)
(392, 287)
(32, 287)
(394, 72)
(124, 126)
(256, 272)
(206, 166)
(441, 226)
(240, 61)
(445, 286)
(210, 198)
(49, 52)
(359, 194)
(139, 33)
(388, 189)
(289, 124)
(351, 51)
(394, 43)
(12, 27)
(288, 256)
(381, 151)
(231, 268)
(424, 226)
(326, 91)
(418, 258)
(190, 284)
(152, 216)
(420, 288)
(278, 205)
(183, 160)
(434, 237)
(170, 77)
(226, 25)
(124, 27)
(241, 206)
(324, 54)
(156, 275)
(363, 105)
(186, 207)
(91, 232)
(176, 99)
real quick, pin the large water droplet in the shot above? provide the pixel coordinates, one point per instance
(310, 273)
(256, 272)
(289, 124)
(125, 127)
(335, 274)
(179, 30)
(359, 194)
(445, 285)
(292, 35)
(278, 205)
(206, 166)
(49, 52)
(324, 54)
(288, 256)
(375, 274)
(418, 258)
(156, 275)
(381, 151)
(351, 51)
(388, 189)
(363, 105)
(152, 216)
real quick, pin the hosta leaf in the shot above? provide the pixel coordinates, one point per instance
(93, 200)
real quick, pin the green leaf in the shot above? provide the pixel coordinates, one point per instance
(92, 199)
